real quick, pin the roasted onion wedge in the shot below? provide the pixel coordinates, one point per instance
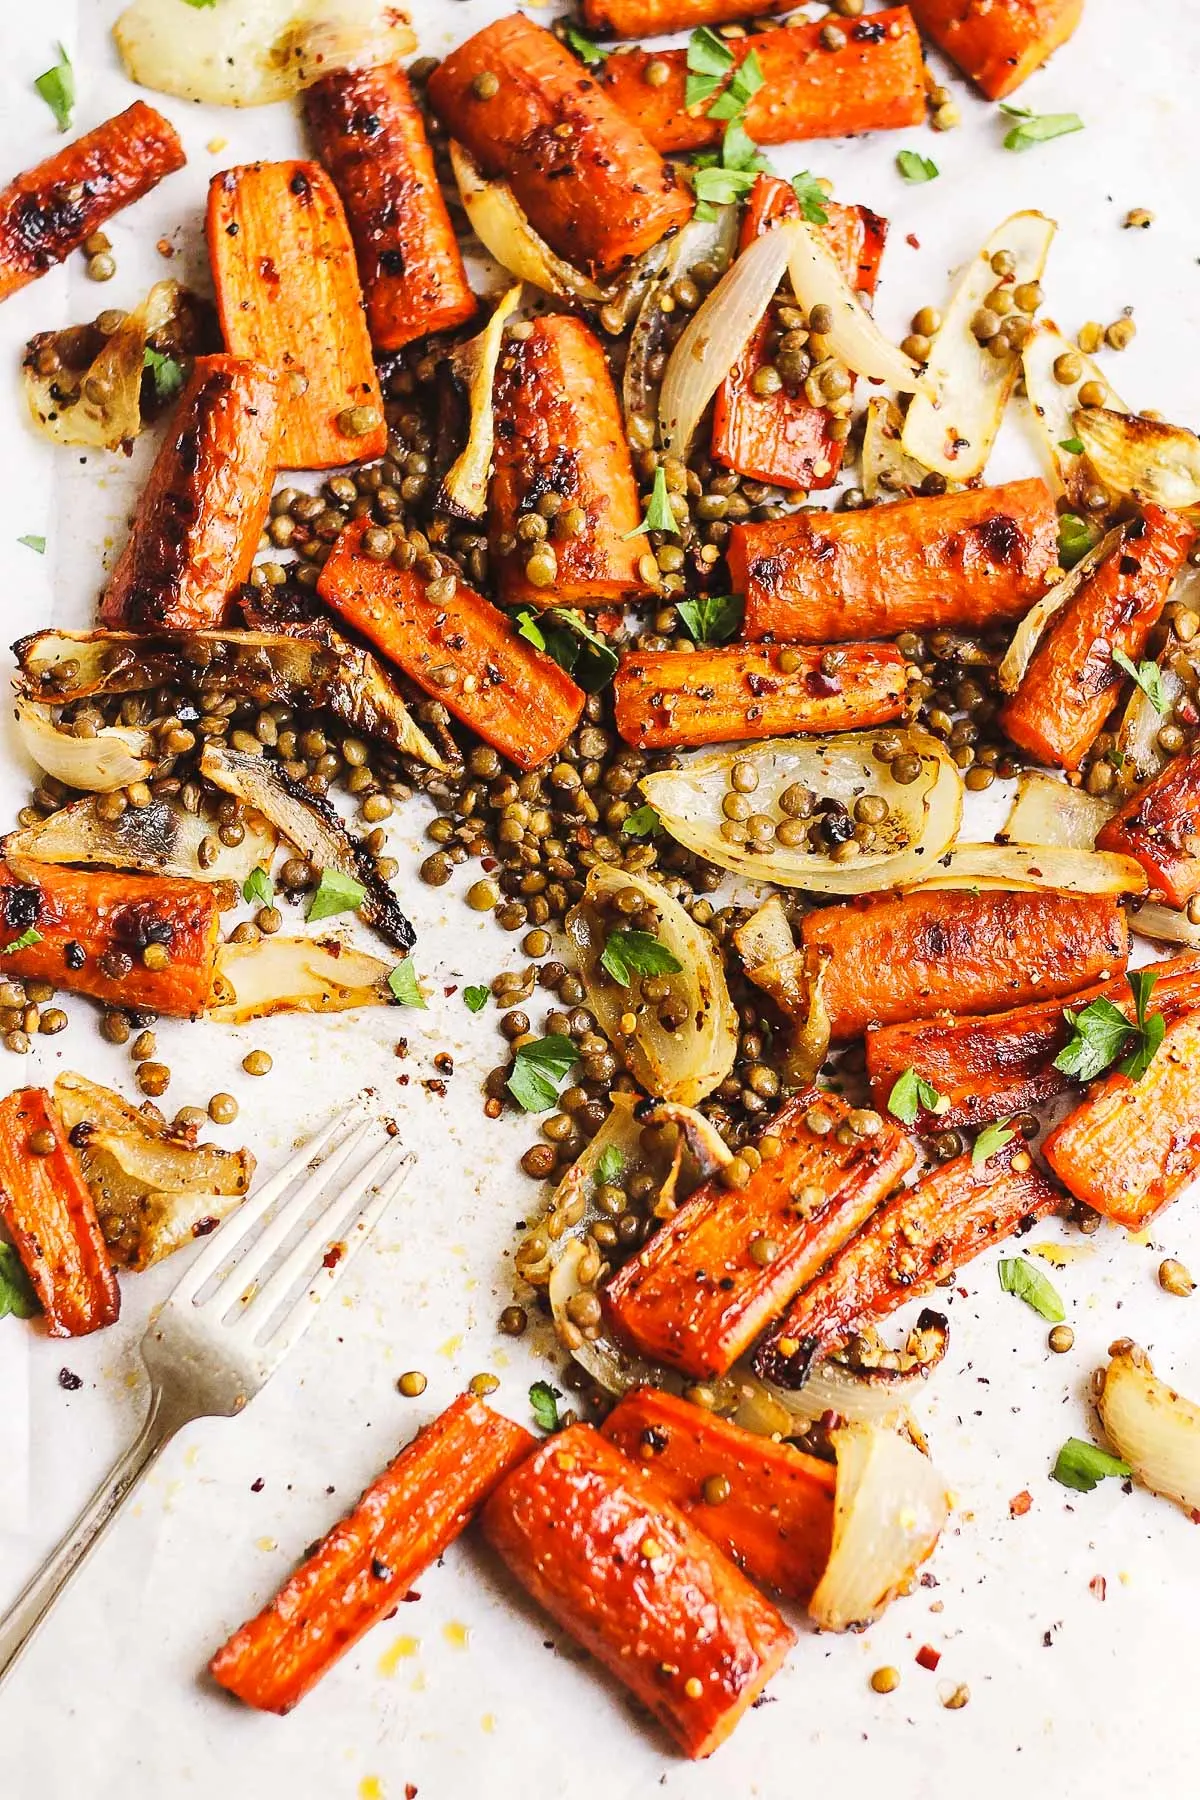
(499, 222)
(159, 839)
(1055, 403)
(1150, 1426)
(114, 757)
(1036, 866)
(1142, 459)
(709, 241)
(294, 974)
(1049, 812)
(465, 484)
(1029, 632)
(93, 396)
(794, 980)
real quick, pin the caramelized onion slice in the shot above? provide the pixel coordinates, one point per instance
(1151, 1427)
(159, 839)
(1054, 405)
(115, 757)
(710, 241)
(294, 974)
(1028, 634)
(93, 397)
(499, 223)
(1036, 866)
(1142, 459)
(465, 487)
(1047, 811)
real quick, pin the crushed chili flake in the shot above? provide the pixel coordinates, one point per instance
(1098, 1587)
(257, 1485)
(1020, 1504)
(928, 1657)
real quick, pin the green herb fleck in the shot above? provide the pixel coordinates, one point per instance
(1019, 1277)
(812, 198)
(36, 544)
(628, 953)
(566, 636)
(476, 998)
(336, 893)
(16, 1292)
(543, 1400)
(989, 1141)
(709, 60)
(258, 888)
(26, 941)
(1037, 128)
(1072, 446)
(1083, 1466)
(200, 4)
(660, 515)
(165, 371)
(915, 167)
(711, 619)
(539, 1070)
(1148, 677)
(406, 989)
(910, 1093)
(586, 49)
(745, 82)
(1075, 538)
(57, 88)
(642, 823)
(609, 1166)
(1101, 1033)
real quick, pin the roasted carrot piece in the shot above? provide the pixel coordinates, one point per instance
(406, 1519)
(607, 1554)
(196, 530)
(583, 173)
(923, 1234)
(516, 697)
(972, 560)
(655, 18)
(288, 296)
(560, 430)
(875, 82)
(47, 212)
(1159, 827)
(370, 135)
(695, 1297)
(1000, 43)
(1069, 687)
(1131, 1146)
(776, 1522)
(665, 700)
(87, 930)
(908, 956)
(782, 437)
(47, 1206)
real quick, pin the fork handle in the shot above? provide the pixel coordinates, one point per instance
(34, 1602)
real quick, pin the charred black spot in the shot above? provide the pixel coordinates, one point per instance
(1002, 539)
(22, 907)
(1135, 530)
(300, 185)
(365, 124)
(868, 31)
(391, 262)
(80, 1135)
(74, 955)
(1129, 565)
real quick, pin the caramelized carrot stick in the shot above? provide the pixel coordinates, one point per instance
(697, 1296)
(647, 1594)
(47, 212)
(910, 956)
(782, 437)
(998, 45)
(196, 530)
(776, 1518)
(1159, 827)
(921, 1236)
(559, 431)
(457, 647)
(665, 700)
(655, 18)
(585, 176)
(47, 1206)
(288, 296)
(406, 1519)
(874, 82)
(370, 135)
(972, 560)
(1131, 1146)
(1069, 687)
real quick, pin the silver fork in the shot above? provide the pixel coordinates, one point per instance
(208, 1356)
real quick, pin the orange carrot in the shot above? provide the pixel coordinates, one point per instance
(457, 647)
(874, 82)
(47, 1206)
(696, 1297)
(197, 527)
(585, 176)
(909, 956)
(560, 431)
(655, 18)
(1159, 827)
(288, 296)
(647, 1594)
(975, 560)
(776, 1518)
(47, 212)
(783, 438)
(998, 43)
(371, 137)
(1069, 687)
(665, 700)
(406, 1519)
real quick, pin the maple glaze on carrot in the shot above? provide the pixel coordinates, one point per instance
(1159, 826)
(47, 1207)
(998, 43)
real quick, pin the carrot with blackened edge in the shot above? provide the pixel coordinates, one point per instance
(406, 1519)
(784, 437)
(47, 1207)
(47, 212)
(908, 956)
(585, 176)
(1159, 827)
(288, 296)
(700, 1291)
(197, 527)
(921, 1236)
(768, 1506)
(655, 18)
(1000, 44)
(1071, 682)
(369, 133)
(560, 435)
(621, 1568)
(972, 560)
(873, 82)
(667, 701)
(458, 647)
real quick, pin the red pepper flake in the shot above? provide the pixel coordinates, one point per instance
(410, 1790)
(913, 240)
(451, 989)
(435, 1087)
(333, 1256)
(928, 1657)
(1020, 1504)
(257, 1485)
(1098, 1588)
(203, 1227)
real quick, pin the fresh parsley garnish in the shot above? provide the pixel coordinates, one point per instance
(642, 823)
(1037, 128)
(711, 619)
(57, 88)
(724, 176)
(609, 1166)
(1075, 538)
(258, 888)
(1148, 677)
(26, 941)
(165, 371)
(989, 1141)
(910, 1093)
(709, 60)
(629, 953)
(36, 544)
(1101, 1033)
(16, 1292)
(744, 83)
(812, 198)
(336, 893)
(406, 989)
(660, 515)
(1019, 1277)
(566, 636)
(543, 1400)
(539, 1070)
(1083, 1466)
(585, 48)
(476, 998)
(915, 167)
(1072, 446)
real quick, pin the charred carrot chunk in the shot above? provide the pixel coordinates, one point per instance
(458, 647)
(1000, 43)
(666, 701)
(655, 18)
(909, 956)
(47, 212)
(921, 1236)
(560, 431)
(721, 1268)
(586, 177)
(406, 1519)
(288, 296)
(370, 135)
(768, 1506)
(1068, 689)
(874, 82)
(1159, 827)
(608, 1556)
(197, 527)
(971, 560)
(47, 1207)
